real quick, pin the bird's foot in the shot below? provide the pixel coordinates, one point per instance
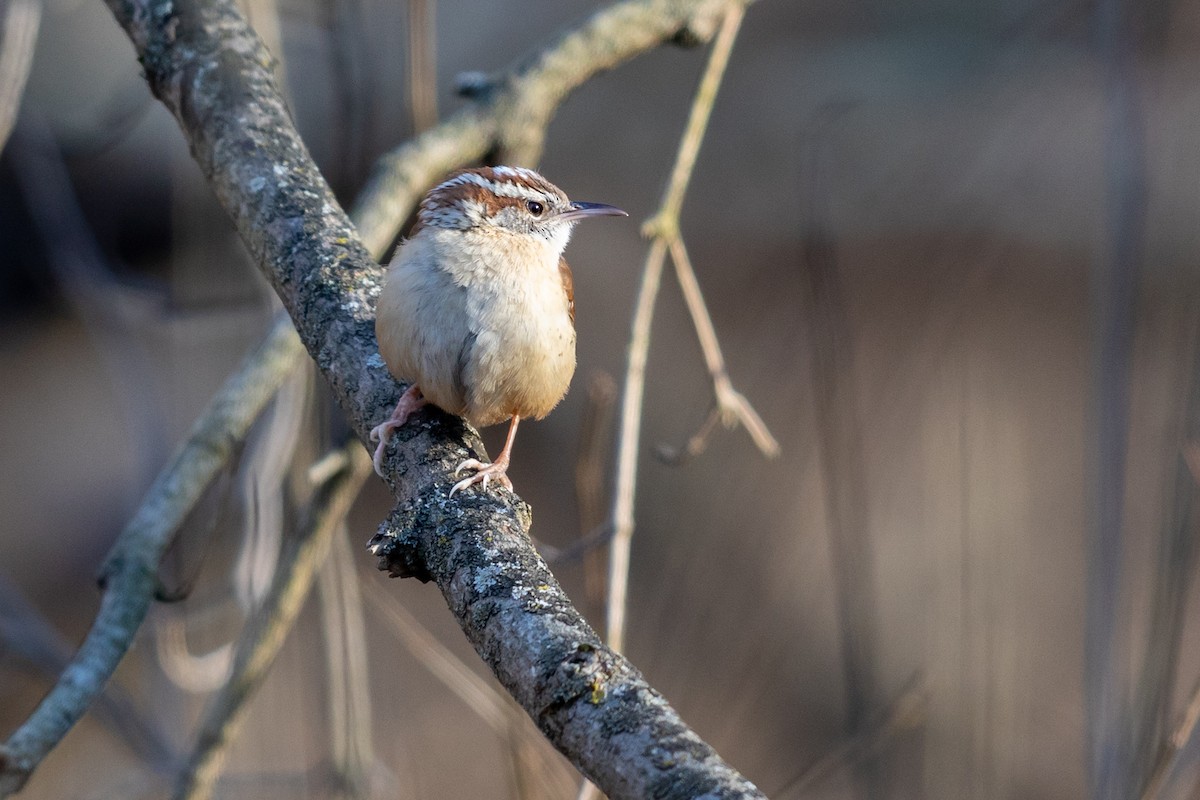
(410, 401)
(495, 471)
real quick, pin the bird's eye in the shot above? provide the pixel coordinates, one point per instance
(535, 208)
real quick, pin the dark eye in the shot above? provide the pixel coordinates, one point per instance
(535, 208)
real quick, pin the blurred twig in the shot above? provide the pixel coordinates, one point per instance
(1120, 739)
(1163, 752)
(841, 450)
(18, 38)
(591, 466)
(32, 638)
(422, 64)
(129, 573)
(349, 701)
(357, 82)
(663, 228)
(731, 408)
(480, 696)
(268, 628)
(906, 713)
(113, 313)
(475, 693)
(512, 109)
(1180, 752)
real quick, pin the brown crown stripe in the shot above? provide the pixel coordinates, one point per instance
(492, 188)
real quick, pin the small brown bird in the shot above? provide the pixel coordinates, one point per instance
(478, 309)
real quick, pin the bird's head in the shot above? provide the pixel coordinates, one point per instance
(511, 200)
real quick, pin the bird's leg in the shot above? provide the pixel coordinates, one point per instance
(496, 469)
(410, 401)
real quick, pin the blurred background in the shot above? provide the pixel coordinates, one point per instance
(949, 250)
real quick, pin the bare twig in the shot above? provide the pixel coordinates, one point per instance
(906, 713)
(113, 313)
(695, 444)
(597, 537)
(731, 404)
(1161, 756)
(131, 567)
(591, 467)
(663, 227)
(422, 64)
(481, 697)
(345, 634)
(267, 630)
(1177, 757)
(627, 446)
(28, 636)
(18, 38)
(475, 693)
(1120, 738)
(841, 452)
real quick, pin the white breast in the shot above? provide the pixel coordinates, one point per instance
(478, 319)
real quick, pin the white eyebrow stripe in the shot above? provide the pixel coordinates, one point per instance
(519, 172)
(499, 188)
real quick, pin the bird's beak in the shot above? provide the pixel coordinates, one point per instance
(584, 210)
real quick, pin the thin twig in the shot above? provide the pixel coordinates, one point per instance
(113, 313)
(841, 452)
(26, 636)
(131, 567)
(597, 537)
(733, 406)
(904, 714)
(1179, 753)
(695, 444)
(591, 468)
(627, 448)
(349, 695)
(475, 693)
(422, 64)
(17, 42)
(268, 629)
(513, 109)
(662, 226)
(1119, 737)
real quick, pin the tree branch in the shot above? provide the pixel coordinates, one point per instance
(129, 574)
(264, 636)
(209, 69)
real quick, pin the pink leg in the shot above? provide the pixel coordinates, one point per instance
(410, 401)
(496, 469)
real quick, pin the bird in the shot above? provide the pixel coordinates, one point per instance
(478, 308)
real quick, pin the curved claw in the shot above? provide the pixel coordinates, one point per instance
(470, 463)
(380, 433)
(485, 473)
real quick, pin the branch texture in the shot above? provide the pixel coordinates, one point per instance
(206, 65)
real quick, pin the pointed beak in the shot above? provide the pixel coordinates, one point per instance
(584, 210)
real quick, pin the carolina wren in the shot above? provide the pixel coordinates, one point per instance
(478, 308)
